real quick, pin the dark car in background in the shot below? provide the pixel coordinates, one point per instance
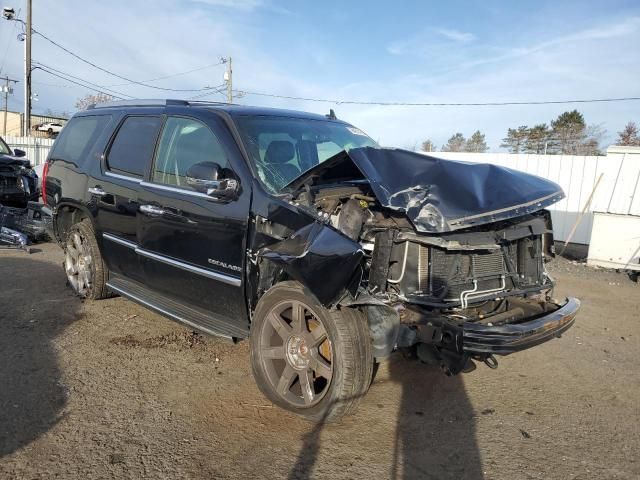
(298, 232)
(18, 180)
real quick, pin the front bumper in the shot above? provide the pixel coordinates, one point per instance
(480, 339)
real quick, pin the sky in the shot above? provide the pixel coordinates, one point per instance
(401, 51)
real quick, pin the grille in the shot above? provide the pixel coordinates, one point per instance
(9, 183)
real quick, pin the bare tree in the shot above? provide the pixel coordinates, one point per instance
(629, 136)
(92, 99)
(590, 145)
(428, 146)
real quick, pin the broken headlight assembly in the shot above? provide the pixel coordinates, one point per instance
(430, 219)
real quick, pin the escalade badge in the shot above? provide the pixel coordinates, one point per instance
(218, 263)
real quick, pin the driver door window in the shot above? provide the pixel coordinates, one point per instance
(185, 142)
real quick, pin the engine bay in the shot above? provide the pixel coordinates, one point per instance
(492, 273)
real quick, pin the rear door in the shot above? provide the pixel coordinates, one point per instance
(115, 191)
(192, 245)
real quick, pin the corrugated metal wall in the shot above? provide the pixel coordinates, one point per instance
(618, 191)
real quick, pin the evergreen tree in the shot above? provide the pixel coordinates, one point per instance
(516, 139)
(455, 144)
(568, 132)
(538, 139)
(476, 143)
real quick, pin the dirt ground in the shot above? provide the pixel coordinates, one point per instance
(108, 389)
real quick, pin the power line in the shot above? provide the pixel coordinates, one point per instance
(434, 104)
(222, 62)
(108, 90)
(112, 73)
(216, 89)
(80, 84)
(57, 85)
(42, 66)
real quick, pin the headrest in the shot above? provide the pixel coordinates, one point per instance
(279, 151)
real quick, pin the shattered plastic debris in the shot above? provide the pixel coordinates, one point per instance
(14, 239)
(21, 226)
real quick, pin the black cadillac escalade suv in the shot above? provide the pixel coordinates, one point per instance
(298, 232)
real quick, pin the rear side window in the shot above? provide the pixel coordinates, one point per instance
(133, 146)
(78, 137)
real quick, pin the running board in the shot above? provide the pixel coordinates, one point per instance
(190, 316)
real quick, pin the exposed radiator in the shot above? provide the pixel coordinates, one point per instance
(423, 268)
(454, 272)
(444, 275)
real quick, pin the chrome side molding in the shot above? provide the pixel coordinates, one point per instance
(221, 277)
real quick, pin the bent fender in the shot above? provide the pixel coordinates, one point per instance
(322, 259)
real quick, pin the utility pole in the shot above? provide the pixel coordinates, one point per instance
(6, 89)
(228, 77)
(27, 73)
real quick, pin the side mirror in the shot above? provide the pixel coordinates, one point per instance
(208, 178)
(18, 153)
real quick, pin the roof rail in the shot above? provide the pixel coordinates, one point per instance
(207, 102)
(139, 103)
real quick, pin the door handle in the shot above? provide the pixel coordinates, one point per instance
(97, 191)
(152, 210)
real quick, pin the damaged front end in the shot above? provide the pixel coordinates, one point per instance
(446, 258)
(18, 182)
(472, 295)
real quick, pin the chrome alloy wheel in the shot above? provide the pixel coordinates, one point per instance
(296, 353)
(78, 264)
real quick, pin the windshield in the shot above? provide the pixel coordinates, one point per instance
(4, 149)
(282, 148)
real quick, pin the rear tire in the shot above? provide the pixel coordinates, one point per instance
(86, 271)
(314, 362)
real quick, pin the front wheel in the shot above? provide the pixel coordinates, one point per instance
(307, 359)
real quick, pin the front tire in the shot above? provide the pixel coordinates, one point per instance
(86, 272)
(307, 359)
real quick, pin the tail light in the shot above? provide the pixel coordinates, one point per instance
(45, 171)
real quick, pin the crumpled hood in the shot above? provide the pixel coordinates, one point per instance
(442, 195)
(11, 160)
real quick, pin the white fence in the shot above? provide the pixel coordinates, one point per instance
(617, 192)
(37, 148)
